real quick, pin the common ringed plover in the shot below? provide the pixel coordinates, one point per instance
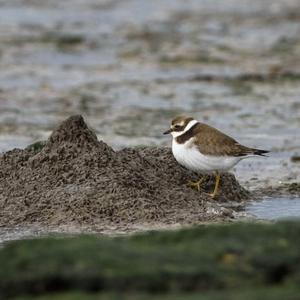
(204, 149)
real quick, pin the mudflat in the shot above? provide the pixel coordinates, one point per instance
(76, 180)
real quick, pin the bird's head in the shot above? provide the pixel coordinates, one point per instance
(179, 125)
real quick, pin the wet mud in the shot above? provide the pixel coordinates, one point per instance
(129, 67)
(284, 189)
(76, 180)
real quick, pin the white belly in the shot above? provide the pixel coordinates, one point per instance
(190, 157)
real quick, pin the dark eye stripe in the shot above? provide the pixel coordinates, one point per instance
(178, 128)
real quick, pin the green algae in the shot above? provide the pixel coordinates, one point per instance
(239, 259)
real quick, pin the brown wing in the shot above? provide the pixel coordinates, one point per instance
(211, 141)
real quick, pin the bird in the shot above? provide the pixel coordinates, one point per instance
(206, 150)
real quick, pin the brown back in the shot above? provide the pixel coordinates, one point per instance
(211, 141)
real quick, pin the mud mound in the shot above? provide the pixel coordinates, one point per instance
(77, 180)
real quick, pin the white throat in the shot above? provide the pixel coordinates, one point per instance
(175, 134)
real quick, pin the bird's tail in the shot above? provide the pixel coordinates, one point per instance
(260, 152)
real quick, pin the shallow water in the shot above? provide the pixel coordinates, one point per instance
(34, 231)
(19, 233)
(130, 66)
(275, 208)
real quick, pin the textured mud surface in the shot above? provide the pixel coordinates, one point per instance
(130, 66)
(77, 180)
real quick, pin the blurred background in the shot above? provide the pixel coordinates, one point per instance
(129, 66)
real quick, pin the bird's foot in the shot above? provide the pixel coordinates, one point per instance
(212, 195)
(197, 184)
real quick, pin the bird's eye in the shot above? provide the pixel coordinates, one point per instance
(177, 126)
